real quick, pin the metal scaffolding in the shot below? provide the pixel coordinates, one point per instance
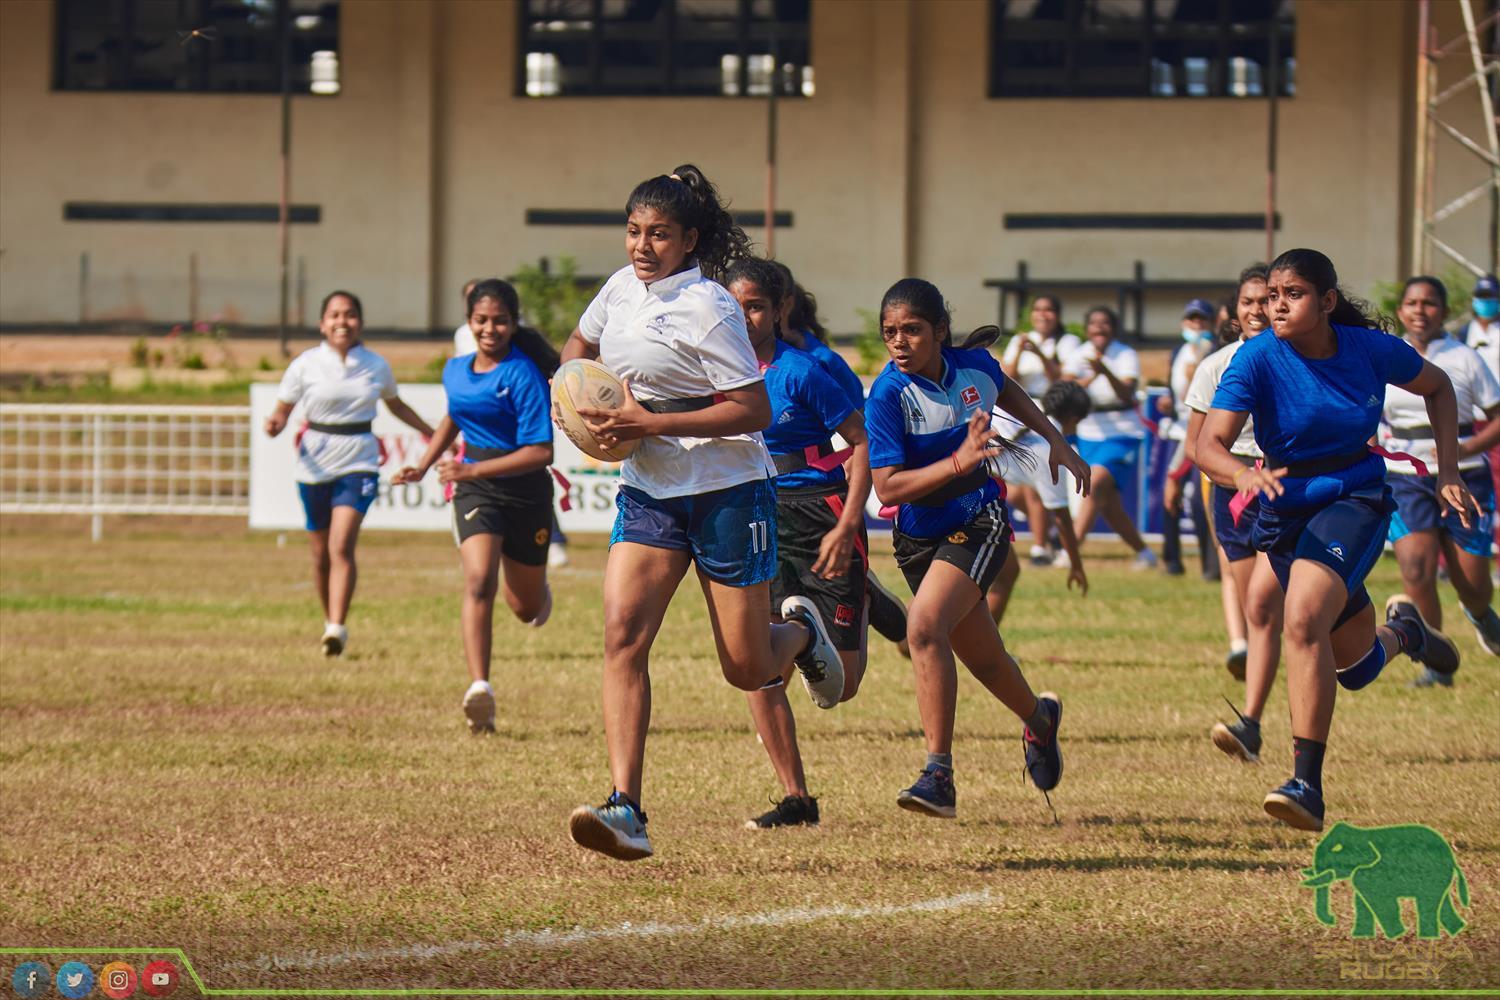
(1482, 80)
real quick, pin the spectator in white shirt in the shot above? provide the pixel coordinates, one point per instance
(338, 384)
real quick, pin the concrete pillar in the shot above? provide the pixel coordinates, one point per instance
(893, 160)
(414, 119)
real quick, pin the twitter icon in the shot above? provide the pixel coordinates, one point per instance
(75, 980)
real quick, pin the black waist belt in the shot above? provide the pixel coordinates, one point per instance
(348, 429)
(957, 488)
(687, 405)
(1426, 433)
(485, 454)
(797, 460)
(1112, 408)
(1320, 466)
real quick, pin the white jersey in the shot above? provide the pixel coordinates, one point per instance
(335, 390)
(681, 337)
(1017, 471)
(1184, 362)
(464, 342)
(1486, 341)
(1200, 397)
(1031, 374)
(1110, 418)
(1474, 385)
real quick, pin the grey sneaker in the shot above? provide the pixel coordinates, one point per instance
(479, 707)
(1241, 738)
(822, 670)
(1423, 643)
(1487, 630)
(617, 828)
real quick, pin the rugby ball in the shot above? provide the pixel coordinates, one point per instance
(584, 383)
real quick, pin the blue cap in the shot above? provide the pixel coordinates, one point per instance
(1487, 287)
(1198, 307)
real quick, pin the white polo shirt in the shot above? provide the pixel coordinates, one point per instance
(681, 337)
(1200, 397)
(464, 342)
(335, 390)
(1473, 385)
(1487, 343)
(1126, 365)
(1031, 374)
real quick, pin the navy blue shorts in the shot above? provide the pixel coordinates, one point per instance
(357, 490)
(1419, 509)
(731, 532)
(1346, 535)
(1237, 540)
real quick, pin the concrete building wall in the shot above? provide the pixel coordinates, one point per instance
(426, 163)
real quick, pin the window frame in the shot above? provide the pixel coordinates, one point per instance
(666, 36)
(1273, 31)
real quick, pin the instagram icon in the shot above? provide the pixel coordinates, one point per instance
(117, 980)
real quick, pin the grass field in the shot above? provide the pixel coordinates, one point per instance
(179, 767)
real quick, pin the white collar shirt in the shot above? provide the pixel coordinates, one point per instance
(678, 338)
(1200, 397)
(1486, 341)
(329, 389)
(1475, 388)
(464, 342)
(1112, 420)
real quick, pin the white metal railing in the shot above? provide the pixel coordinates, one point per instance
(98, 459)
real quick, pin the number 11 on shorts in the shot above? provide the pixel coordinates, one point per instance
(760, 536)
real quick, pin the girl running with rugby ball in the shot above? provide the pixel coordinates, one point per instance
(928, 418)
(1315, 390)
(696, 492)
(502, 496)
(338, 384)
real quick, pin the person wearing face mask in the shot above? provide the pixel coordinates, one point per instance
(502, 495)
(1483, 334)
(1420, 528)
(338, 384)
(1181, 482)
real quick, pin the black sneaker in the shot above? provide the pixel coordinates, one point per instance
(1487, 630)
(1044, 760)
(1235, 663)
(1241, 738)
(793, 810)
(1420, 641)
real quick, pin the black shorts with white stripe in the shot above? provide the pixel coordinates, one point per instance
(978, 548)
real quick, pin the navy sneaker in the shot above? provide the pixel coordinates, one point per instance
(1419, 640)
(1235, 662)
(1487, 630)
(1431, 678)
(1044, 760)
(1297, 804)
(932, 795)
(617, 828)
(794, 810)
(1240, 738)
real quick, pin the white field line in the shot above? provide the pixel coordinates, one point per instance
(547, 938)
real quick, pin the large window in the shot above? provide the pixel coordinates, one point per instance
(197, 45)
(725, 48)
(1142, 48)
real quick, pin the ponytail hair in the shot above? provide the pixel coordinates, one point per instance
(526, 340)
(694, 203)
(1316, 268)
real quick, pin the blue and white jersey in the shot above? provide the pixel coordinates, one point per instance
(835, 365)
(807, 406)
(913, 422)
(505, 408)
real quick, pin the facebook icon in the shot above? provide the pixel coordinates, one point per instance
(30, 979)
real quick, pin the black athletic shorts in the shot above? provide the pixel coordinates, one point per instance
(803, 517)
(979, 548)
(520, 513)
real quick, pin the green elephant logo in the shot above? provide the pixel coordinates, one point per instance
(1384, 865)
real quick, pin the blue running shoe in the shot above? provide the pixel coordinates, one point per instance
(617, 828)
(1297, 804)
(1044, 760)
(1420, 641)
(933, 794)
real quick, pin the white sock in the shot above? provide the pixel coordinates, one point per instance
(1238, 645)
(482, 686)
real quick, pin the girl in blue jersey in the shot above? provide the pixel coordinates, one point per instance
(502, 497)
(1316, 390)
(799, 326)
(696, 492)
(821, 550)
(928, 417)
